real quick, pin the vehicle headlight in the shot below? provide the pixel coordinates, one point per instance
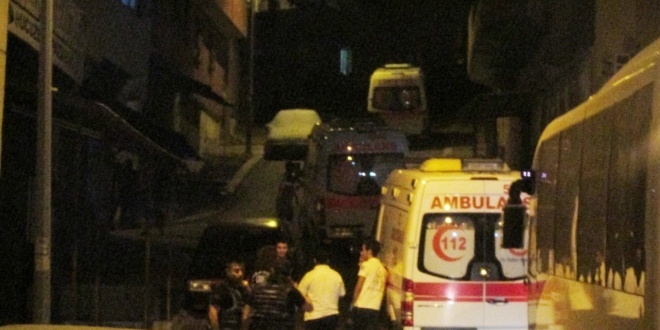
(199, 286)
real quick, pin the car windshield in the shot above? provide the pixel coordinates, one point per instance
(361, 174)
(220, 245)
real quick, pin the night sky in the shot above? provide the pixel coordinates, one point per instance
(297, 55)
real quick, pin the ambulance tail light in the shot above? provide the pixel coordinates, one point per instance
(407, 303)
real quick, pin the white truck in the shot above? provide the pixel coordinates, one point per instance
(346, 164)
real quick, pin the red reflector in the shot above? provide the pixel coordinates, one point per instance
(408, 285)
(407, 319)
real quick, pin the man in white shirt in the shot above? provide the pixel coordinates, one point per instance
(370, 287)
(322, 287)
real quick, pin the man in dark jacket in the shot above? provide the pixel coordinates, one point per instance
(273, 304)
(228, 298)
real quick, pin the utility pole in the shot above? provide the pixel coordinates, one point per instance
(4, 19)
(254, 7)
(42, 233)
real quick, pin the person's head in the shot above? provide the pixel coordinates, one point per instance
(266, 257)
(370, 248)
(282, 248)
(235, 271)
(321, 257)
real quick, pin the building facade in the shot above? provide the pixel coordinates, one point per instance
(542, 58)
(146, 94)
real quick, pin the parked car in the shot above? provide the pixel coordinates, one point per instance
(221, 243)
(59, 327)
(288, 134)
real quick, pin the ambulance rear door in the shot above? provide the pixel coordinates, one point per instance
(463, 277)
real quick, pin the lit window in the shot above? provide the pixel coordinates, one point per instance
(346, 61)
(130, 3)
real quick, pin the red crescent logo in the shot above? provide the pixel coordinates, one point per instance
(436, 244)
(517, 252)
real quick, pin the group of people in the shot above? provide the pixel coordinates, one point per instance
(272, 298)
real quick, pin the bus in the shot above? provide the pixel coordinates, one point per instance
(594, 215)
(397, 96)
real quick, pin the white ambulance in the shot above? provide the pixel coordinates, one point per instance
(348, 160)
(397, 95)
(441, 234)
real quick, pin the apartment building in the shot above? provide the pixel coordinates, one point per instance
(143, 92)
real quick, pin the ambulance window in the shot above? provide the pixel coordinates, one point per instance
(410, 98)
(343, 174)
(397, 98)
(447, 245)
(383, 98)
(512, 261)
(361, 174)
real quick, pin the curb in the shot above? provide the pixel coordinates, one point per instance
(237, 178)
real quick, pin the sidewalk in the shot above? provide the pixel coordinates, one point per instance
(219, 177)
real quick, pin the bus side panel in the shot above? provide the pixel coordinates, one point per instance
(572, 305)
(589, 267)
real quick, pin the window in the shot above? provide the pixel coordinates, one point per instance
(361, 174)
(397, 98)
(130, 3)
(346, 61)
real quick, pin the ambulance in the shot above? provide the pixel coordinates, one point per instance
(347, 162)
(397, 95)
(441, 234)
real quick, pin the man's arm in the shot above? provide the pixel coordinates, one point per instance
(342, 287)
(245, 325)
(358, 288)
(213, 317)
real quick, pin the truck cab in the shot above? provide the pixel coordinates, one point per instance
(346, 165)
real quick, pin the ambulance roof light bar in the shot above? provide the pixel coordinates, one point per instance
(397, 65)
(463, 165)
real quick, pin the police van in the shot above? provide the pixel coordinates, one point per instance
(441, 234)
(347, 162)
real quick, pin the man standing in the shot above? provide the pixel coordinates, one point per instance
(370, 287)
(282, 262)
(322, 287)
(273, 304)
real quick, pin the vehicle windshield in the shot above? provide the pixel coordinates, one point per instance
(467, 246)
(220, 245)
(397, 98)
(361, 174)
